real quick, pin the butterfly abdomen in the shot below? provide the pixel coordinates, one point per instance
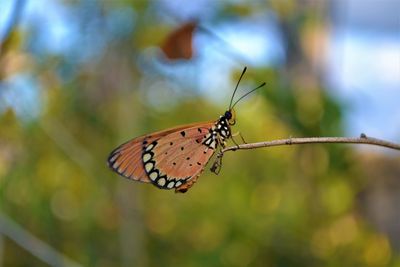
(218, 134)
(223, 128)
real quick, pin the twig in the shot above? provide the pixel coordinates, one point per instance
(35, 246)
(363, 139)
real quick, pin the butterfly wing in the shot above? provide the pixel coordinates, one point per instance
(176, 160)
(126, 160)
(143, 157)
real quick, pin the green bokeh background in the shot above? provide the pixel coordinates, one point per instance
(283, 206)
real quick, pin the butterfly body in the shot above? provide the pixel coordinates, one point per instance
(173, 158)
(219, 132)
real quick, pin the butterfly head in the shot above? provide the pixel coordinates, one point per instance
(230, 117)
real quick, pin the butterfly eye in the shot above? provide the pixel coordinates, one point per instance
(230, 115)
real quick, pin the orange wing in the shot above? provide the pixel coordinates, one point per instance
(180, 157)
(127, 159)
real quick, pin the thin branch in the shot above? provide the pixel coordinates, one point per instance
(34, 245)
(363, 139)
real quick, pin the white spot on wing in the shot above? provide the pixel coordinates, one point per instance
(161, 181)
(114, 157)
(149, 147)
(179, 183)
(148, 166)
(120, 170)
(153, 176)
(170, 184)
(146, 157)
(115, 165)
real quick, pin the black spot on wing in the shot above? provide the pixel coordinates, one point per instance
(183, 133)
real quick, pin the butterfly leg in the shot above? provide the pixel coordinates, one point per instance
(234, 141)
(216, 167)
(241, 136)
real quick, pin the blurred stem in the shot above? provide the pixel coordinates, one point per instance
(12, 22)
(132, 232)
(35, 246)
(1, 250)
(68, 144)
(225, 47)
(363, 139)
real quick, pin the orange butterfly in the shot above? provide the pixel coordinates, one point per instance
(174, 158)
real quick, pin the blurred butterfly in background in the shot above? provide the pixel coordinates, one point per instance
(174, 158)
(179, 43)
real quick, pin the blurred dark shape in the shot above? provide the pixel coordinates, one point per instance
(179, 43)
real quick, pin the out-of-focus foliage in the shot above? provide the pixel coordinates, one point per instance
(64, 108)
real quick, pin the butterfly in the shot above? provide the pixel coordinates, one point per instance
(174, 158)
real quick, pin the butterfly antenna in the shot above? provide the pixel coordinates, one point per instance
(246, 94)
(237, 85)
